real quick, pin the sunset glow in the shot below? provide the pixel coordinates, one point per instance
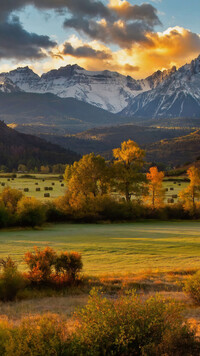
(125, 36)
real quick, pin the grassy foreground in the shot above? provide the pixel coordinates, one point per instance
(114, 248)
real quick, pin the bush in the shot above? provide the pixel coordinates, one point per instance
(4, 336)
(40, 264)
(129, 327)
(37, 336)
(31, 212)
(192, 287)
(11, 281)
(5, 216)
(70, 264)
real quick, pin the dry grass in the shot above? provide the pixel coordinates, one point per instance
(62, 306)
(147, 283)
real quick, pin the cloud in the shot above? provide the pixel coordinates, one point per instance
(84, 51)
(128, 68)
(16, 42)
(144, 12)
(120, 33)
(81, 7)
(175, 46)
(117, 23)
(123, 25)
(138, 48)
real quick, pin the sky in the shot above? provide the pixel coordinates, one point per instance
(132, 37)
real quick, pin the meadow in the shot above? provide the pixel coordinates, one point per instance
(114, 248)
(58, 187)
(34, 182)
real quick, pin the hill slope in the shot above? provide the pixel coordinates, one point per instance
(176, 151)
(17, 148)
(101, 140)
(47, 113)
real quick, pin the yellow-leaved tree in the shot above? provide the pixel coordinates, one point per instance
(128, 179)
(88, 176)
(155, 192)
(191, 195)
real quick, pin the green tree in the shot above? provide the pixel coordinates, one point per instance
(127, 177)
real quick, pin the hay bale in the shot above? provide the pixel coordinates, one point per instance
(174, 182)
(62, 185)
(166, 189)
(26, 190)
(3, 184)
(53, 183)
(46, 195)
(46, 188)
(174, 196)
(61, 181)
(179, 184)
(36, 183)
(50, 188)
(38, 189)
(171, 188)
(170, 201)
(43, 180)
(8, 179)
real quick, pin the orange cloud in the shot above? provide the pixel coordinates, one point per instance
(175, 46)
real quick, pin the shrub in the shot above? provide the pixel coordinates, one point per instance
(5, 216)
(128, 326)
(192, 287)
(40, 263)
(31, 212)
(70, 264)
(4, 336)
(37, 336)
(11, 281)
(53, 214)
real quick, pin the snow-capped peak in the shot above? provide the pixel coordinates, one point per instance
(105, 89)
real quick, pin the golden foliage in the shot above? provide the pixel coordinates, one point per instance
(191, 194)
(156, 193)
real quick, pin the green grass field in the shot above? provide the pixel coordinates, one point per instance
(52, 181)
(114, 248)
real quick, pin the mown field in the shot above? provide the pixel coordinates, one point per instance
(114, 248)
(58, 186)
(32, 184)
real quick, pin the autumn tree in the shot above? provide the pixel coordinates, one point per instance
(129, 159)
(155, 194)
(44, 169)
(191, 194)
(88, 176)
(10, 198)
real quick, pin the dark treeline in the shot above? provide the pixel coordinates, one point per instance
(20, 149)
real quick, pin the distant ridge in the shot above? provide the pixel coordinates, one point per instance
(17, 148)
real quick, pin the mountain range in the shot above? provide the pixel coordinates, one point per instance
(63, 104)
(164, 94)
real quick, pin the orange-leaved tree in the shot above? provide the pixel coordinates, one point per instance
(155, 195)
(191, 195)
(129, 159)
